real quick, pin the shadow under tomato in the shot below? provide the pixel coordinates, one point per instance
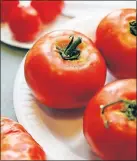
(67, 127)
(64, 124)
(62, 113)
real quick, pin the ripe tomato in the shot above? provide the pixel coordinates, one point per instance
(116, 40)
(6, 8)
(110, 121)
(48, 10)
(64, 69)
(25, 23)
(17, 144)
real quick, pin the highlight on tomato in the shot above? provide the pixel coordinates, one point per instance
(110, 121)
(116, 39)
(64, 69)
(24, 23)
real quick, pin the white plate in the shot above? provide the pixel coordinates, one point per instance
(58, 132)
(7, 36)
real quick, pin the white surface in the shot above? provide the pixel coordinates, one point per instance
(58, 132)
(84, 8)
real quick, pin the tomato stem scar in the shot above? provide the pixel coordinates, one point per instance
(70, 52)
(133, 28)
(130, 109)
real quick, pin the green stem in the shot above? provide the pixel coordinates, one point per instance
(110, 104)
(133, 28)
(130, 109)
(70, 52)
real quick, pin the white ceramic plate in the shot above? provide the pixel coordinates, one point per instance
(7, 36)
(58, 132)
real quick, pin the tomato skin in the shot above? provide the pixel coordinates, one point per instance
(17, 144)
(118, 141)
(48, 10)
(6, 8)
(117, 44)
(60, 83)
(25, 23)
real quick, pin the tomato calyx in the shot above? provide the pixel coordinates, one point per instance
(133, 28)
(130, 109)
(71, 52)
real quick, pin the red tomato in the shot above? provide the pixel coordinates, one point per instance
(25, 23)
(6, 8)
(64, 71)
(48, 10)
(17, 144)
(110, 121)
(116, 39)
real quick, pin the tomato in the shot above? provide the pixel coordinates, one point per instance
(25, 23)
(48, 10)
(17, 144)
(64, 69)
(6, 8)
(110, 121)
(116, 40)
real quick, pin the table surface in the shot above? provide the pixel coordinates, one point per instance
(10, 60)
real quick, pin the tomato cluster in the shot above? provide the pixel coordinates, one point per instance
(25, 21)
(65, 69)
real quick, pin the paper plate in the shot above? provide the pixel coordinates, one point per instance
(58, 132)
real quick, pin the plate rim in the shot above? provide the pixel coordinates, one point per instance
(18, 44)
